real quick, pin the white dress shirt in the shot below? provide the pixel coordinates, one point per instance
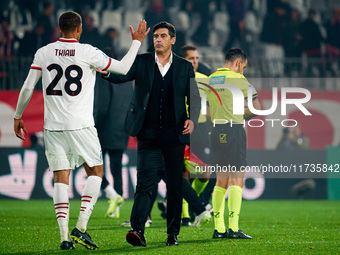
(163, 69)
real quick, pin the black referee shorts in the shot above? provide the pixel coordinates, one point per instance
(229, 146)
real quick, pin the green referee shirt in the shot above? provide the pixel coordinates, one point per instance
(224, 109)
(201, 89)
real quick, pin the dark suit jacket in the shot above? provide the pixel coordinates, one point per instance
(184, 86)
(111, 102)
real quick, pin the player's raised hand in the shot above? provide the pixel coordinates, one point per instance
(19, 129)
(141, 31)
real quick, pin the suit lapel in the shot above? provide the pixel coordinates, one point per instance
(151, 69)
(176, 71)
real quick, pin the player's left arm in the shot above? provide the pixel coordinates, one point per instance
(256, 103)
(248, 114)
(24, 97)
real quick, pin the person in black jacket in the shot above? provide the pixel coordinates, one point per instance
(157, 116)
(311, 43)
(110, 104)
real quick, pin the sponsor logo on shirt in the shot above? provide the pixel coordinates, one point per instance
(217, 80)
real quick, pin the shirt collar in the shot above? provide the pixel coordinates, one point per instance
(67, 40)
(170, 59)
(223, 69)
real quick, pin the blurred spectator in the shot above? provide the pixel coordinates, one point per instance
(31, 42)
(293, 138)
(201, 35)
(136, 4)
(90, 33)
(6, 39)
(7, 63)
(32, 24)
(236, 13)
(111, 4)
(79, 7)
(333, 41)
(109, 40)
(273, 4)
(311, 43)
(20, 18)
(252, 29)
(32, 6)
(55, 34)
(292, 42)
(46, 22)
(272, 36)
(154, 14)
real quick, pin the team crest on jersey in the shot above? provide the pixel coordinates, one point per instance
(105, 55)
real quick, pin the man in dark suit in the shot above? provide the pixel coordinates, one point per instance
(157, 115)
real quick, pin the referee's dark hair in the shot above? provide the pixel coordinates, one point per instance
(69, 21)
(164, 24)
(234, 54)
(184, 49)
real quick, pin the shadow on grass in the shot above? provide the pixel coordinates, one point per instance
(152, 248)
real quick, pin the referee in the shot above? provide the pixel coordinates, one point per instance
(228, 141)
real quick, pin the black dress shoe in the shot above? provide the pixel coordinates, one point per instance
(237, 235)
(172, 240)
(136, 238)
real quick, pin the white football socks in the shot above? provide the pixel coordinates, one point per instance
(110, 193)
(62, 208)
(88, 200)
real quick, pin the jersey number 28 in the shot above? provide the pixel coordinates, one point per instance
(69, 80)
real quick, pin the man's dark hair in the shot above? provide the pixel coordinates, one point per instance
(164, 24)
(184, 49)
(234, 54)
(69, 21)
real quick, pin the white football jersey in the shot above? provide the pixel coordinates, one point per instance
(68, 78)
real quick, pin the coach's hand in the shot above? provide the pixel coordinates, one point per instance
(188, 127)
(141, 31)
(19, 129)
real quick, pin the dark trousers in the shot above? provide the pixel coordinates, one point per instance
(156, 152)
(206, 193)
(154, 191)
(116, 170)
(190, 195)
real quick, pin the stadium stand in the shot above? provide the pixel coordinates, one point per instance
(22, 19)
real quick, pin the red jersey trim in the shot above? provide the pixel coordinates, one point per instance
(35, 67)
(67, 40)
(107, 65)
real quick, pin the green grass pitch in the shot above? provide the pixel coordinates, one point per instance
(277, 227)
